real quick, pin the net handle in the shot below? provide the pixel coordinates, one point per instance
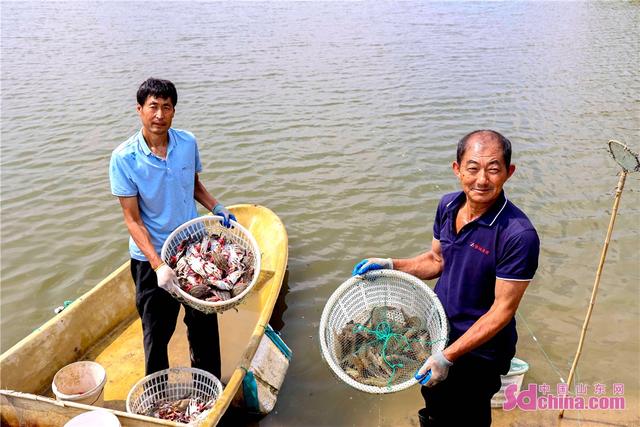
(614, 146)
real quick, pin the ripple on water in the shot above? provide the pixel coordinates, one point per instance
(343, 120)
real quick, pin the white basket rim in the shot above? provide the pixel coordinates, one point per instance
(141, 381)
(234, 224)
(337, 294)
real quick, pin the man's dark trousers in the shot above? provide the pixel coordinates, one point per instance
(464, 397)
(159, 314)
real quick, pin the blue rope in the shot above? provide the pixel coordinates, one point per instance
(383, 333)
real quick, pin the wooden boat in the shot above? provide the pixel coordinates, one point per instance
(103, 325)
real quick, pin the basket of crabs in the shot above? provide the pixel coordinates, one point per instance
(184, 395)
(216, 266)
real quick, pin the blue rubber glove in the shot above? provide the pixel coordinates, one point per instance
(220, 210)
(369, 264)
(434, 370)
(424, 378)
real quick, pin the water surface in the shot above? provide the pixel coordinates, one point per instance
(343, 119)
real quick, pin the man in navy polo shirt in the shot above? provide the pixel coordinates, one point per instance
(485, 252)
(154, 174)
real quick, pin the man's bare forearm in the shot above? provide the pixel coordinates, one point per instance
(203, 196)
(485, 328)
(507, 298)
(142, 239)
(426, 266)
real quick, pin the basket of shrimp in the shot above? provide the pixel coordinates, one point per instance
(216, 266)
(183, 395)
(377, 330)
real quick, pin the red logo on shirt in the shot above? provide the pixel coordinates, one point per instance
(479, 248)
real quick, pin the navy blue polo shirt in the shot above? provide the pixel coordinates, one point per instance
(502, 244)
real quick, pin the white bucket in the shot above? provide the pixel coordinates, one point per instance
(80, 382)
(514, 376)
(98, 418)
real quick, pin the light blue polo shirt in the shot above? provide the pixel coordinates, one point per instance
(164, 187)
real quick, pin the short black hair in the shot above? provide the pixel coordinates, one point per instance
(506, 145)
(157, 88)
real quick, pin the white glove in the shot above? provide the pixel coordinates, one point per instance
(167, 278)
(434, 370)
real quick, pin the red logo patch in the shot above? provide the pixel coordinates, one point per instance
(479, 248)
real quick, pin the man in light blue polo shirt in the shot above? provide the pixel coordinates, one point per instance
(484, 252)
(154, 174)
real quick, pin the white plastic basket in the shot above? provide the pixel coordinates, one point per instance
(170, 385)
(359, 295)
(211, 224)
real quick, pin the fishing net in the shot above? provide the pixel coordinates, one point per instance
(175, 394)
(627, 159)
(209, 226)
(378, 329)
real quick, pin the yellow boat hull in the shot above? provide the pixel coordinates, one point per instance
(103, 325)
